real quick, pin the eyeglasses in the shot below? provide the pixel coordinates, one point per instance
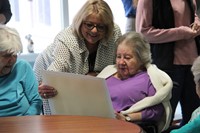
(90, 26)
(8, 55)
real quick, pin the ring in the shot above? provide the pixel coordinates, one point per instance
(45, 94)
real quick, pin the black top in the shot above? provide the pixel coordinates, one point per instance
(91, 61)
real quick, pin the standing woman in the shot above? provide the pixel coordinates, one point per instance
(85, 47)
(18, 86)
(171, 27)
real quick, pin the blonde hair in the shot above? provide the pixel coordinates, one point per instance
(10, 40)
(101, 9)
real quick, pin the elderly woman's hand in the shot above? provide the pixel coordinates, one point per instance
(120, 116)
(47, 91)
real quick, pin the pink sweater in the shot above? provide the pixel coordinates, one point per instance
(185, 50)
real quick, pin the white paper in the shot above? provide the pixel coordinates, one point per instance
(78, 94)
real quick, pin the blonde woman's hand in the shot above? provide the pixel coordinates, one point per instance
(46, 91)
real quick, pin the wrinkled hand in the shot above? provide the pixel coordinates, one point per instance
(195, 28)
(46, 91)
(128, 111)
(120, 116)
(189, 32)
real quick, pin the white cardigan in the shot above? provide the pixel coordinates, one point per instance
(161, 81)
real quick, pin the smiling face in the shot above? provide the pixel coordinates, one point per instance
(92, 35)
(126, 61)
(7, 60)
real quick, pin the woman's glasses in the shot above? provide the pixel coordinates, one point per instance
(90, 26)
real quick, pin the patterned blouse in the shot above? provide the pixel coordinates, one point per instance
(68, 53)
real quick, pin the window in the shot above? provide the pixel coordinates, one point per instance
(41, 19)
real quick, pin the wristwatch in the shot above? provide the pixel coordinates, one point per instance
(127, 118)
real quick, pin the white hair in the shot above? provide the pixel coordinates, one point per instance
(196, 69)
(10, 40)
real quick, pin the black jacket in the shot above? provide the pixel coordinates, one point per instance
(5, 9)
(163, 17)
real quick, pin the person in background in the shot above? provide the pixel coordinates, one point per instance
(5, 11)
(172, 29)
(198, 7)
(85, 47)
(134, 83)
(18, 86)
(193, 126)
(130, 13)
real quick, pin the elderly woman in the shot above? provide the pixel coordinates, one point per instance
(193, 125)
(18, 86)
(135, 84)
(85, 47)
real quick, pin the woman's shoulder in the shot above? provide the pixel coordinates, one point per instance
(68, 38)
(195, 114)
(21, 63)
(107, 71)
(143, 74)
(143, 77)
(66, 34)
(116, 26)
(117, 29)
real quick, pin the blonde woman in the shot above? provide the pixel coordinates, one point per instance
(85, 47)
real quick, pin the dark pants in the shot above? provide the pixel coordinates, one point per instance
(148, 126)
(184, 91)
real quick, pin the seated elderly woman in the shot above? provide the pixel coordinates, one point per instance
(135, 84)
(18, 86)
(193, 126)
